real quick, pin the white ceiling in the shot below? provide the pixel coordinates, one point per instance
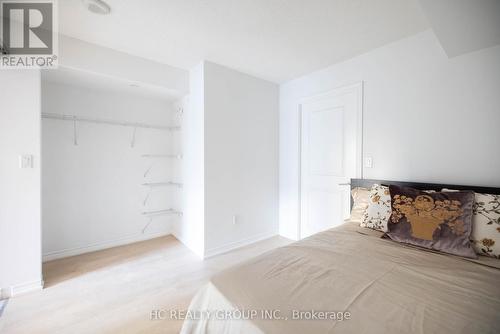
(464, 26)
(273, 39)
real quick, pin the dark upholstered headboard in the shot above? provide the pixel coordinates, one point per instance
(367, 183)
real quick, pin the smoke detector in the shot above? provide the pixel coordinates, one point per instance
(97, 6)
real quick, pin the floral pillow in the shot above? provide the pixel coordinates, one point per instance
(379, 208)
(485, 236)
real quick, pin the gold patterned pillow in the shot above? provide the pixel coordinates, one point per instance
(440, 221)
(379, 208)
(485, 236)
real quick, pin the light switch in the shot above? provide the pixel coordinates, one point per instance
(368, 162)
(26, 161)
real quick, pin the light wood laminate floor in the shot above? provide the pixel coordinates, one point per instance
(115, 290)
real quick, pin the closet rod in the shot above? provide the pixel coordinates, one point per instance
(73, 118)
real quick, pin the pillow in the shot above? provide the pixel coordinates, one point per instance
(485, 236)
(440, 221)
(360, 203)
(378, 212)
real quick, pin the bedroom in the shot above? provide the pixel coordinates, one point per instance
(205, 156)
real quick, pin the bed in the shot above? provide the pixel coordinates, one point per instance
(350, 280)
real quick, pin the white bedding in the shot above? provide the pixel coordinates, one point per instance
(385, 286)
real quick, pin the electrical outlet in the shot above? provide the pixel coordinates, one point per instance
(26, 161)
(235, 219)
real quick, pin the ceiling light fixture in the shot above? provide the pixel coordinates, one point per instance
(97, 6)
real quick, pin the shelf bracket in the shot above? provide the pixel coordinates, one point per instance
(132, 142)
(75, 139)
(147, 224)
(149, 169)
(147, 196)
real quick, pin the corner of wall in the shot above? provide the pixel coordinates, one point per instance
(20, 240)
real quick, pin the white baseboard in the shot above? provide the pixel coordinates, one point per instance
(59, 254)
(238, 244)
(20, 289)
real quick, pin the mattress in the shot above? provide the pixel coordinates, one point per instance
(350, 280)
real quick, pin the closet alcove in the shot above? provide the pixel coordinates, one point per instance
(111, 162)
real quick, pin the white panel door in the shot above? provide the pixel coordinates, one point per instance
(330, 155)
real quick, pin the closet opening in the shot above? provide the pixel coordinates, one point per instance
(111, 169)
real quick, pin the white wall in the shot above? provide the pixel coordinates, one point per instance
(91, 193)
(426, 117)
(20, 244)
(230, 165)
(77, 54)
(191, 230)
(241, 158)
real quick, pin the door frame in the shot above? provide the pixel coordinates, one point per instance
(358, 88)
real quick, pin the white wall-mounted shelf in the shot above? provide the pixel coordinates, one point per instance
(173, 156)
(161, 212)
(156, 213)
(161, 184)
(152, 185)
